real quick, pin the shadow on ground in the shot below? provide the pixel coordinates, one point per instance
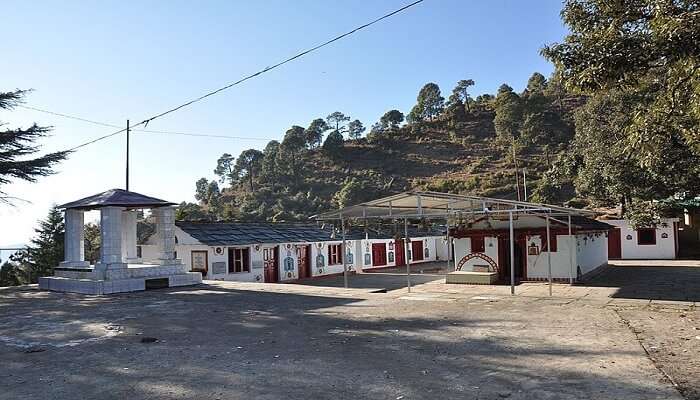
(214, 342)
(676, 283)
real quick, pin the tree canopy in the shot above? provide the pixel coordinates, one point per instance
(19, 157)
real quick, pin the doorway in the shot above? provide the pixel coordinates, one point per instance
(200, 262)
(304, 260)
(614, 244)
(378, 254)
(400, 251)
(504, 259)
(270, 265)
(417, 250)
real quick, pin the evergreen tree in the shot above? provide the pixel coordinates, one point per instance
(314, 133)
(333, 146)
(18, 149)
(224, 168)
(337, 120)
(430, 103)
(355, 129)
(46, 249)
(93, 242)
(248, 166)
(269, 171)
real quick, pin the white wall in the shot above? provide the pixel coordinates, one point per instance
(537, 265)
(463, 248)
(664, 249)
(321, 248)
(592, 252)
(441, 248)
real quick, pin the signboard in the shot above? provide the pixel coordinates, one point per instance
(218, 268)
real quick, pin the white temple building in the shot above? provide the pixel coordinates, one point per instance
(119, 268)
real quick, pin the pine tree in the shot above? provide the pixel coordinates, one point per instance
(17, 149)
(46, 250)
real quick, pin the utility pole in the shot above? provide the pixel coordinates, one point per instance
(515, 167)
(127, 155)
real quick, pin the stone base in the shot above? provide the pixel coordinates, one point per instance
(472, 278)
(134, 278)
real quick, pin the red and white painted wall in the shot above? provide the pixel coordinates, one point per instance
(627, 243)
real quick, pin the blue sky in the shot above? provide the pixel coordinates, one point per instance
(116, 60)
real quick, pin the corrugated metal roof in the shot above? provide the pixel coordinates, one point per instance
(245, 233)
(118, 198)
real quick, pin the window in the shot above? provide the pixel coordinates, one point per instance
(646, 236)
(238, 260)
(552, 239)
(335, 254)
(478, 244)
(139, 252)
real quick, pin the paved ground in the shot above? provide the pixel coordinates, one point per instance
(263, 341)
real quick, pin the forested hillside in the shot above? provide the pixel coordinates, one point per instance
(464, 144)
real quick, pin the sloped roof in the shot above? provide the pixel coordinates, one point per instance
(588, 224)
(245, 233)
(118, 198)
(425, 204)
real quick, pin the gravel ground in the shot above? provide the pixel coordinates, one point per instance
(243, 341)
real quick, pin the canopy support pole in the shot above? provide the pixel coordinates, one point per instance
(572, 251)
(549, 256)
(344, 255)
(512, 253)
(408, 261)
(447, 270)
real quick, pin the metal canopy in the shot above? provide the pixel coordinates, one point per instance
(419, 204)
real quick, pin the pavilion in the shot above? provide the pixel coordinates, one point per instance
(119, 269)
(493, 235)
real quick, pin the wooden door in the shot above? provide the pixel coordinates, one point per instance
(270, 265)
(400, 251)
(304, 261)
(378, 254)
(614, 244)
(200, 261)
(417, 250)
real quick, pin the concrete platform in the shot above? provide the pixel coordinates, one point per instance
(135, 277)
(472, 278)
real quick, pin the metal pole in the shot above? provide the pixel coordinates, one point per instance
(408, 261)
(549, 257)
(572, 251)
(512, 253)
(344, 254)
(524, 184)
(127, 155)
(447, 270)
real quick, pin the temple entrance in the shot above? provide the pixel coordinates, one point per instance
(504, 259)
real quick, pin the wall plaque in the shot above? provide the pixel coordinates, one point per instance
(218, 267)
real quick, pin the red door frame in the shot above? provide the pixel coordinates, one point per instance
(400, 253)
(304, 261)
(271, 267)
(378, 254)
(615, 244)
(416, 249)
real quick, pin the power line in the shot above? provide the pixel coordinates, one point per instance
(146, 121)
(199, 135)
(138, 130)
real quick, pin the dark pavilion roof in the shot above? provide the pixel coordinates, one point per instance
(245, 233)
(588, 224)
(118, 198)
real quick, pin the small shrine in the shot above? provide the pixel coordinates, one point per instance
(120, 268)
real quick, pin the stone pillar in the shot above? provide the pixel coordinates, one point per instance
(111, 234)
(165, 234)
(129, 235)
(74, 244)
